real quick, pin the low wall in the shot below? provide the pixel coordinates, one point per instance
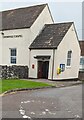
(81, 75)
(14, 72)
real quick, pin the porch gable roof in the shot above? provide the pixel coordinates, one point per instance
(51, 36)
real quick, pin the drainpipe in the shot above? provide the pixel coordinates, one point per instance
(53, 63)
(29, 62)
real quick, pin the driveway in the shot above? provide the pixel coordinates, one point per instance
(65, 102)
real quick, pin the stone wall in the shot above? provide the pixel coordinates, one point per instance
(14, 72)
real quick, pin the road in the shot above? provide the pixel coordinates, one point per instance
(65, 102)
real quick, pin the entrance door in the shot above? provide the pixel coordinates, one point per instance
(43, 67)
(40, 69)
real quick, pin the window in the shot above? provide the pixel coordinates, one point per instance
(69, 58)
(82, 60)
(13, 54)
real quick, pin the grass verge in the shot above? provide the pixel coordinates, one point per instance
(11, 84)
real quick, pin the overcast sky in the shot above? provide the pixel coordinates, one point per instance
(62, 11)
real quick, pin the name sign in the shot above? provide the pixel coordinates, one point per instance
(12, 36)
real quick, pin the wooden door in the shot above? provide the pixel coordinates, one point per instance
(40, 69)
(43, 68)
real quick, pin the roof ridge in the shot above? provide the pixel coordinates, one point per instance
(60, 23)
(26, 15)
(24, 7)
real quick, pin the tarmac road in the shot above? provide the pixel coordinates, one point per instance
(65, 102)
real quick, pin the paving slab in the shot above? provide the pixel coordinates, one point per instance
(60, 83)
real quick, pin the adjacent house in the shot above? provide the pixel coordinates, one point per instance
(81, 69)
(33, 46)
(82, 55)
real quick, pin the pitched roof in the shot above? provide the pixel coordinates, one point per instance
(21, 17)
(82, 47)
(51, 36)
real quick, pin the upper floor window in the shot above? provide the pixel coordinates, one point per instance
(13, 54)
(69, 54)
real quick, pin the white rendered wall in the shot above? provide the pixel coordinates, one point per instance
(44, 18)
(22, 44)
(69, 42)
(33, 72)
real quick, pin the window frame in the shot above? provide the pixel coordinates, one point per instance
(81, 68)
(69, 57)
(82, 60)
(13, 57)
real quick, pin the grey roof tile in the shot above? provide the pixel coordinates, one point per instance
(20, 18)
(51, 36)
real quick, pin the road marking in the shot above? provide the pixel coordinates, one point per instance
(22, 112)
(43, 112)
(52, 113)
(77, 116)
(32, 113)
(25, 116)
(46, 110)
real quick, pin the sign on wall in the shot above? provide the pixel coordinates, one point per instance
(12, 36)
(33, 66)
(62, 66)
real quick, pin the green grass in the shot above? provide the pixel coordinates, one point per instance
(11, 84)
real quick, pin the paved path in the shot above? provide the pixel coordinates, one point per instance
(65, 102)
(59, 83)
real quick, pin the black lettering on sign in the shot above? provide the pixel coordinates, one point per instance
(12, 36)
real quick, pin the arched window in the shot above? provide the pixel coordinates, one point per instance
(69, 54)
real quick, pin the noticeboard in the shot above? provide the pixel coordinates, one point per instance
(62, 66)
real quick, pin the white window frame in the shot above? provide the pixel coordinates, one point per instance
(69, 57)
(82, 60)
(81, 63)
(12, 57)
